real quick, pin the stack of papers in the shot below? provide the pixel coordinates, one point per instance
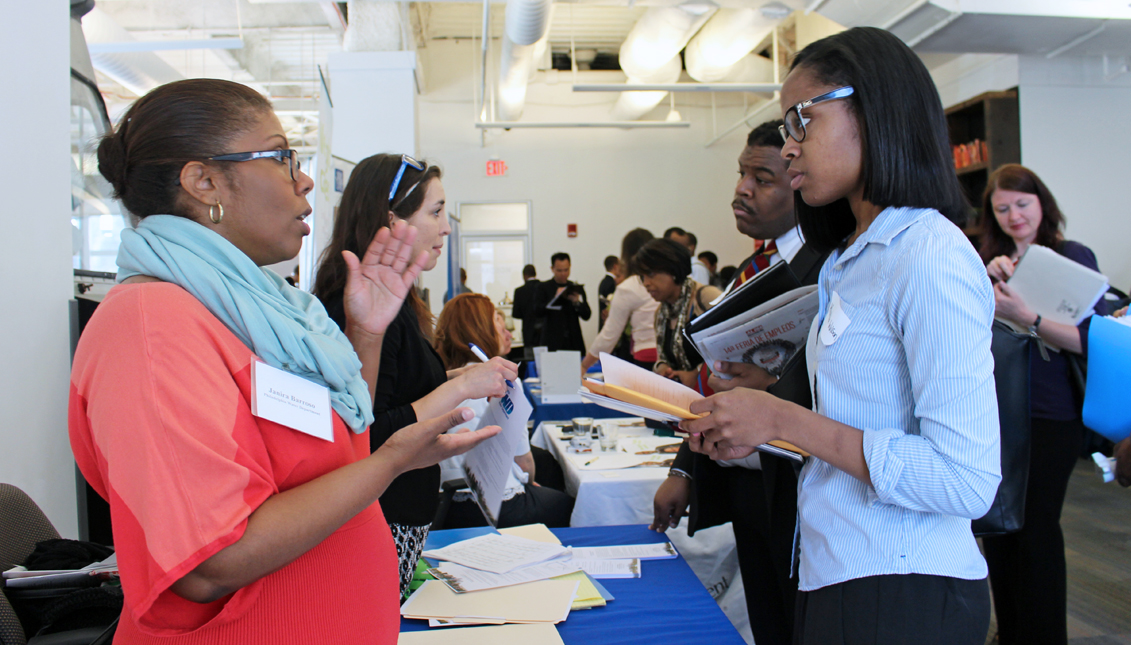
(21, 577)
(539, 633)
(497, 553)
(656, 551)
(545, 601)
(632, 389)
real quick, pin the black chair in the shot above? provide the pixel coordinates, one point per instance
(447, 492)
(22, 525)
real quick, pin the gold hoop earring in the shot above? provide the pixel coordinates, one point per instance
(212, 216)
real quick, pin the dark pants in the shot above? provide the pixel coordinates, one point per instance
(913, 609)
(1027, 570)
(537, 505)
(763, 560)
(547, 470)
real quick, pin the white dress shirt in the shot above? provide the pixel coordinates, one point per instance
(630, 303)
(699, 271)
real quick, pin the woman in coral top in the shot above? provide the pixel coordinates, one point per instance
(229, 527)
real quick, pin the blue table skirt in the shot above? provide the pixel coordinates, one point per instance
(565, 411)
(666, 604)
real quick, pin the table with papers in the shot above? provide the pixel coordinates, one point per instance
(607, 492)
(642, 609)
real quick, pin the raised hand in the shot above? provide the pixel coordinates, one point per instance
(377, 285)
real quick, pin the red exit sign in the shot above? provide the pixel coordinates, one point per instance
(496, 168)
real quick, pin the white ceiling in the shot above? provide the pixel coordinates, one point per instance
(285, 42)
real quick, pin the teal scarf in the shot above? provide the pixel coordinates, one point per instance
(285, 327)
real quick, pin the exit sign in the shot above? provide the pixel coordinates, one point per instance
(496, 168)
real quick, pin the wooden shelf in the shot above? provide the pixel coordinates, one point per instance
(974, 167)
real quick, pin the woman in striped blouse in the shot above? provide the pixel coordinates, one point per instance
(904, 438)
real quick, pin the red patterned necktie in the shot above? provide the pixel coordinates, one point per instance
(763, 249)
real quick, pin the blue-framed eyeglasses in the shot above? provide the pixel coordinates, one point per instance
(406, 161)
(794, 127)
(290, 157)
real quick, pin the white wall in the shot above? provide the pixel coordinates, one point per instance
(607, 181)
(35, 343)
(1075, 135)
(969, 75)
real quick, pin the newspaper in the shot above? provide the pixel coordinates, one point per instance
(767, 335)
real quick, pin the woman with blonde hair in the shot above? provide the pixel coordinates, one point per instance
(470, 319)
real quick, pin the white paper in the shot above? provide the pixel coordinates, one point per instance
(624, 374)
(1056, 287)
(561, 376)
(657, 551)
(291, 401)
(767, 335)
(836, 321)
(461, 579)
(487, 465)
(608, 569)
(497, 553)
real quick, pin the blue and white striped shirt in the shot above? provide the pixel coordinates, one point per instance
(913, 371)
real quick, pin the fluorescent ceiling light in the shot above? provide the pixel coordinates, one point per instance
(131, 46)
(1119, 9)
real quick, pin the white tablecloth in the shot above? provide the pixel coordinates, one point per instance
(624, 496)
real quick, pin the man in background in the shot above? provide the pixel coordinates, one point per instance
(523, 309)
(757, 495)
(606, 288)
(710, 264)
(688, 240)
(562, 305)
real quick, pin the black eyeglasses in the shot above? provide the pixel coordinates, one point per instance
(289, 156)
(406, 161)
(795, 123)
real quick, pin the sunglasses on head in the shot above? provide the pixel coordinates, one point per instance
(406, 161)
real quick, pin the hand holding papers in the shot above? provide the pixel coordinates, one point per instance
(487, 465)
(1056, 287)
(635, 390)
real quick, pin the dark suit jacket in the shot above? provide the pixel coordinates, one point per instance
(604, 290)
(523, 309)
(780, 477)
(562, 327)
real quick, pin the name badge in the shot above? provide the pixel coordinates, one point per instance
(836, 321)
(291, 401)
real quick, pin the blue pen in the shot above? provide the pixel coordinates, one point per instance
(483, 357)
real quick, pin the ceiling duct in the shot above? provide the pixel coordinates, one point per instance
(138, 72)
(720, 52)
(374, 26)
(650, 53)
(526, 31)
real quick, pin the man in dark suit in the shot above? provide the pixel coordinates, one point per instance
(562, 305)
(523, 309)
(606, 288)
(758, 496)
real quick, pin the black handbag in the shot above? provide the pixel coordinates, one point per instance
(1011, 378)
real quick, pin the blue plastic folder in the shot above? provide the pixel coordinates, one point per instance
(1107, 408)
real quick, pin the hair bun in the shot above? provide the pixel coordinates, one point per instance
(112, 162)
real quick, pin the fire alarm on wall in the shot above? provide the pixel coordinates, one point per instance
(571, 230)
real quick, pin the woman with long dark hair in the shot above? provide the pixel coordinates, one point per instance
(1027, 568)
(234, 524)
(412, 383)
(904, 437)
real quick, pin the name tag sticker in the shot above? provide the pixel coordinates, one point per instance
(291, 401)
(836, 321)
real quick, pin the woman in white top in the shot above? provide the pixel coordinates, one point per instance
(469, 319)
(630, 305)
